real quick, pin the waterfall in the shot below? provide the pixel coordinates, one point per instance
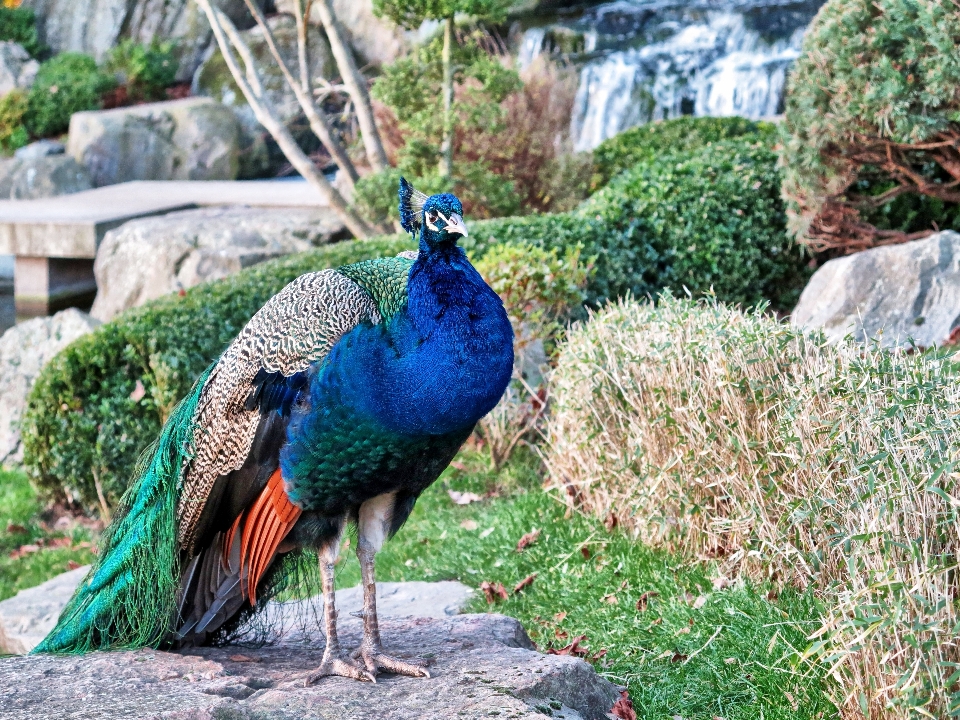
(655, 60)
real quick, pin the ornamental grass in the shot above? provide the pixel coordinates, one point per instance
(724, 434)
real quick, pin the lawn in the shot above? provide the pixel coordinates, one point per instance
(651, 621)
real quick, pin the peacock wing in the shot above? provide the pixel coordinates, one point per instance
(295, 328)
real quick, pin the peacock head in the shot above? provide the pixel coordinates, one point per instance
(437, 219)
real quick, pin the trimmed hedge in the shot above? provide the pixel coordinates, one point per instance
(647, 143)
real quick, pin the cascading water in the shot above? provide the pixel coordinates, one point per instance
(652, 60)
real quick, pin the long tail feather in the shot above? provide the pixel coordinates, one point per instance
(129, 598)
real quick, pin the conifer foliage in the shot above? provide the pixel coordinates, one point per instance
(871, 141)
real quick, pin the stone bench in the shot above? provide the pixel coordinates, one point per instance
(55, 240)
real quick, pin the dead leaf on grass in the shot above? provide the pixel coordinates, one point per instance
(573, 648)
(525, 583)
(611, 522)
(644, 599)
(699, 602)
(470, 525)
(559, 617)
(585, 551)
(14, 529)
(463, 498)
(493, 591)
(623, 707)
(611, 599)
(527, 540)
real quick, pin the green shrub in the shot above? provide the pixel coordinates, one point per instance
(695, 221)
(726, 434)
(65, 84)
(87, 418)
(871, 124)
(19, 25)
(13, 134)
(146, 71)
(649, 142)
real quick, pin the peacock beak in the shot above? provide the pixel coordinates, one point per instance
(455, 225)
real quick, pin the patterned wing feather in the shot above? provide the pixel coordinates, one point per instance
(296, 327)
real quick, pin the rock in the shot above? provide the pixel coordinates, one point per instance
(481, 666)
(899, 292)
(146, 258)
(41, 176)
(17, 68)
(39, 149)
(27, 617)
(24, 350)
(95, 27)
(258, 156)
(191, 139)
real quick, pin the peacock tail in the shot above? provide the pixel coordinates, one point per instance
(128, 599)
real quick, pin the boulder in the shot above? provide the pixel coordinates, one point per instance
(41, 176)
(17, 68)
(481, 666)
(191, 139)
(95, 27)
(259, 158)
(24, 350)
(146, 258)
(39, 149)
(903, 294)
(27, 617)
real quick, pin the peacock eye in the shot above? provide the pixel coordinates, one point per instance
(432, 217)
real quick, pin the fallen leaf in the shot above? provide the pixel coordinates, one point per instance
(493, 591)
(486, 533)
(585, 551)
(525, 583)
(72, 565)
(719, 583)
(470, 525)
(244, 658)
(643, 600)
(15, 529)
(559, 617)
(684, 631)
(527, 540)
(597, 655)
(463, 498)
(611, 522)
(611, 599)
(730, 661)
(623, 707)
(571, 649)
(699, 602)
(561, 634)
(138, 392)
(678, 657)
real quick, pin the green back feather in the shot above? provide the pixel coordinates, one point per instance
(385, 279)
(128, 599)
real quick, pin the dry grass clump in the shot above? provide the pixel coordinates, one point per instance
(725, 434)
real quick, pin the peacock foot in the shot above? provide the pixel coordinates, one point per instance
(377, 661)
(343, 667)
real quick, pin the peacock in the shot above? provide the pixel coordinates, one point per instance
(339, 403)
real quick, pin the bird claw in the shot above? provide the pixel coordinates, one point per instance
(340, 667)
(378, 661)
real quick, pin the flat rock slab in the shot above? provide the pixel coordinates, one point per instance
(482, 666)
(27, 617)
(73, 225)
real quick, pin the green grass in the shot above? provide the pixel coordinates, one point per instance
(22, 524)
(693, 652)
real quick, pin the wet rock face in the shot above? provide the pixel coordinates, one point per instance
(902, 293)
(481, 666)
(144, 259)
(24, 350)
(192, 139)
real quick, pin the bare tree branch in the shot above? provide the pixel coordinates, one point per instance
(318, 123)
(356, 86)
(302, 16)
(224, 31)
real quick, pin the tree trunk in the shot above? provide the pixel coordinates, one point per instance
(356, 85)
(446, 146)
(249, 85)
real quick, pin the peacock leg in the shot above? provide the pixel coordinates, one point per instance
(334, 661)
(374, 522)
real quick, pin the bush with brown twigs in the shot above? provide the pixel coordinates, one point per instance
(724, 434)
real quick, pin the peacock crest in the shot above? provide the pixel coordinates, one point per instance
(411, 207)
